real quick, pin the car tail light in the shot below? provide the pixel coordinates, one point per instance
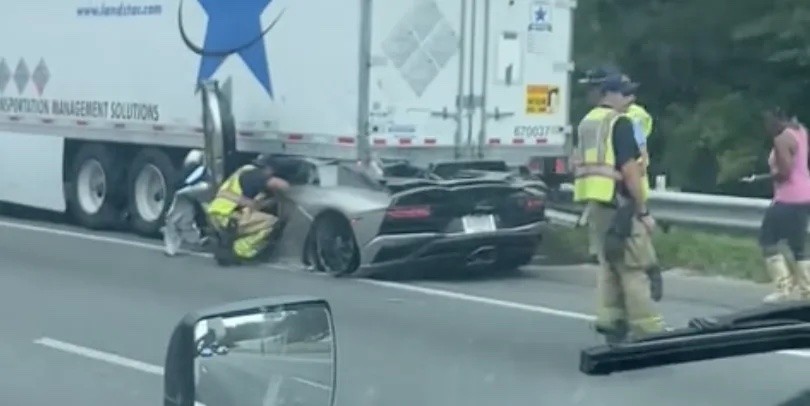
(560, 166)
(408, 212)
(533, 204)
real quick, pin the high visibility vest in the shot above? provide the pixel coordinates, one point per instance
(228, 195)
(594, 160)
(640, 115)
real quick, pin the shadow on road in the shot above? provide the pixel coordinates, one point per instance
(23, 213)
(17, 212)
(451, 275)
(545, 257)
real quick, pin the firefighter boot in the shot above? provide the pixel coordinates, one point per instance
(616, 334)
(802, 278)
(777, 268)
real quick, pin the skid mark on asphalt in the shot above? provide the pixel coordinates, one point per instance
(391, 285)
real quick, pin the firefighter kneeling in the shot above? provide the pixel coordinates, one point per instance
(236, 211)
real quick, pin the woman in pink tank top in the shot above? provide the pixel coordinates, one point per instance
(787, 217)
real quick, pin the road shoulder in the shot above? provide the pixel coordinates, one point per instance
(680, 284)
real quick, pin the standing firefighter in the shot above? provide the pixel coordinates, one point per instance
(643, 125)
(787, 217)
(609, 178)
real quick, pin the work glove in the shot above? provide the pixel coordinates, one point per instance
(621, 227)
(656, 283)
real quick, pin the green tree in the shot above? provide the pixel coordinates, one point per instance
(707, 68)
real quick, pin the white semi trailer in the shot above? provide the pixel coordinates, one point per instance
(99, 104)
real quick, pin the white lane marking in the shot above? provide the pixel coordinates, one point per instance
(107, 357)
(480, 299)
(125, 362)
(391, 285)
(517, 306)
(74, 234)
(93, 237)
(313, 384)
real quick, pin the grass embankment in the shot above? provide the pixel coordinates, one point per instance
(707, 253)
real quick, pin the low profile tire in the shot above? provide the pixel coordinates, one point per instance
(151, 181)
(95, 194)
(334, 248)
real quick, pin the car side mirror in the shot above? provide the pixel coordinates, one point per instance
(278, 351)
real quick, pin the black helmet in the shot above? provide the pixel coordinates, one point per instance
(263, 161)
(598, 75)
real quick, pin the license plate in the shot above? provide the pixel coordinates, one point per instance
(478, 224)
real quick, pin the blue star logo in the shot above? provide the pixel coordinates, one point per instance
(234, 27)
(539, 14)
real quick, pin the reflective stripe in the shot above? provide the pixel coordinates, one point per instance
(603, 135)
(596, 137)
(226, 190)
(600, 135)
(596, 176)
(597, 170)
(255, 225)
(229, 196)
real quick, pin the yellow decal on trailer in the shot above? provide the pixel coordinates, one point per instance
(542, 99)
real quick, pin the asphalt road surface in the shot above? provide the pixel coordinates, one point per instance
(253, 380)
(87, 318)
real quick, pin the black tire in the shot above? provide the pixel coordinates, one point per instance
(334, 248)
(143, 220)
(308, 256)
(96, 157)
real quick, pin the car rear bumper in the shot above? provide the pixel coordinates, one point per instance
(394, 253)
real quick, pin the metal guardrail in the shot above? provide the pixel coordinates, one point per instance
(678, 208)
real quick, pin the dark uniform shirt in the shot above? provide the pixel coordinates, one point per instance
(253, 182)
(625, 147)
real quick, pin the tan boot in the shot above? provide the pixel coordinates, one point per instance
(802, 278)
(777, 268)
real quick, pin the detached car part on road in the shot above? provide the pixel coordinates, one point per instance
(342, 220)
